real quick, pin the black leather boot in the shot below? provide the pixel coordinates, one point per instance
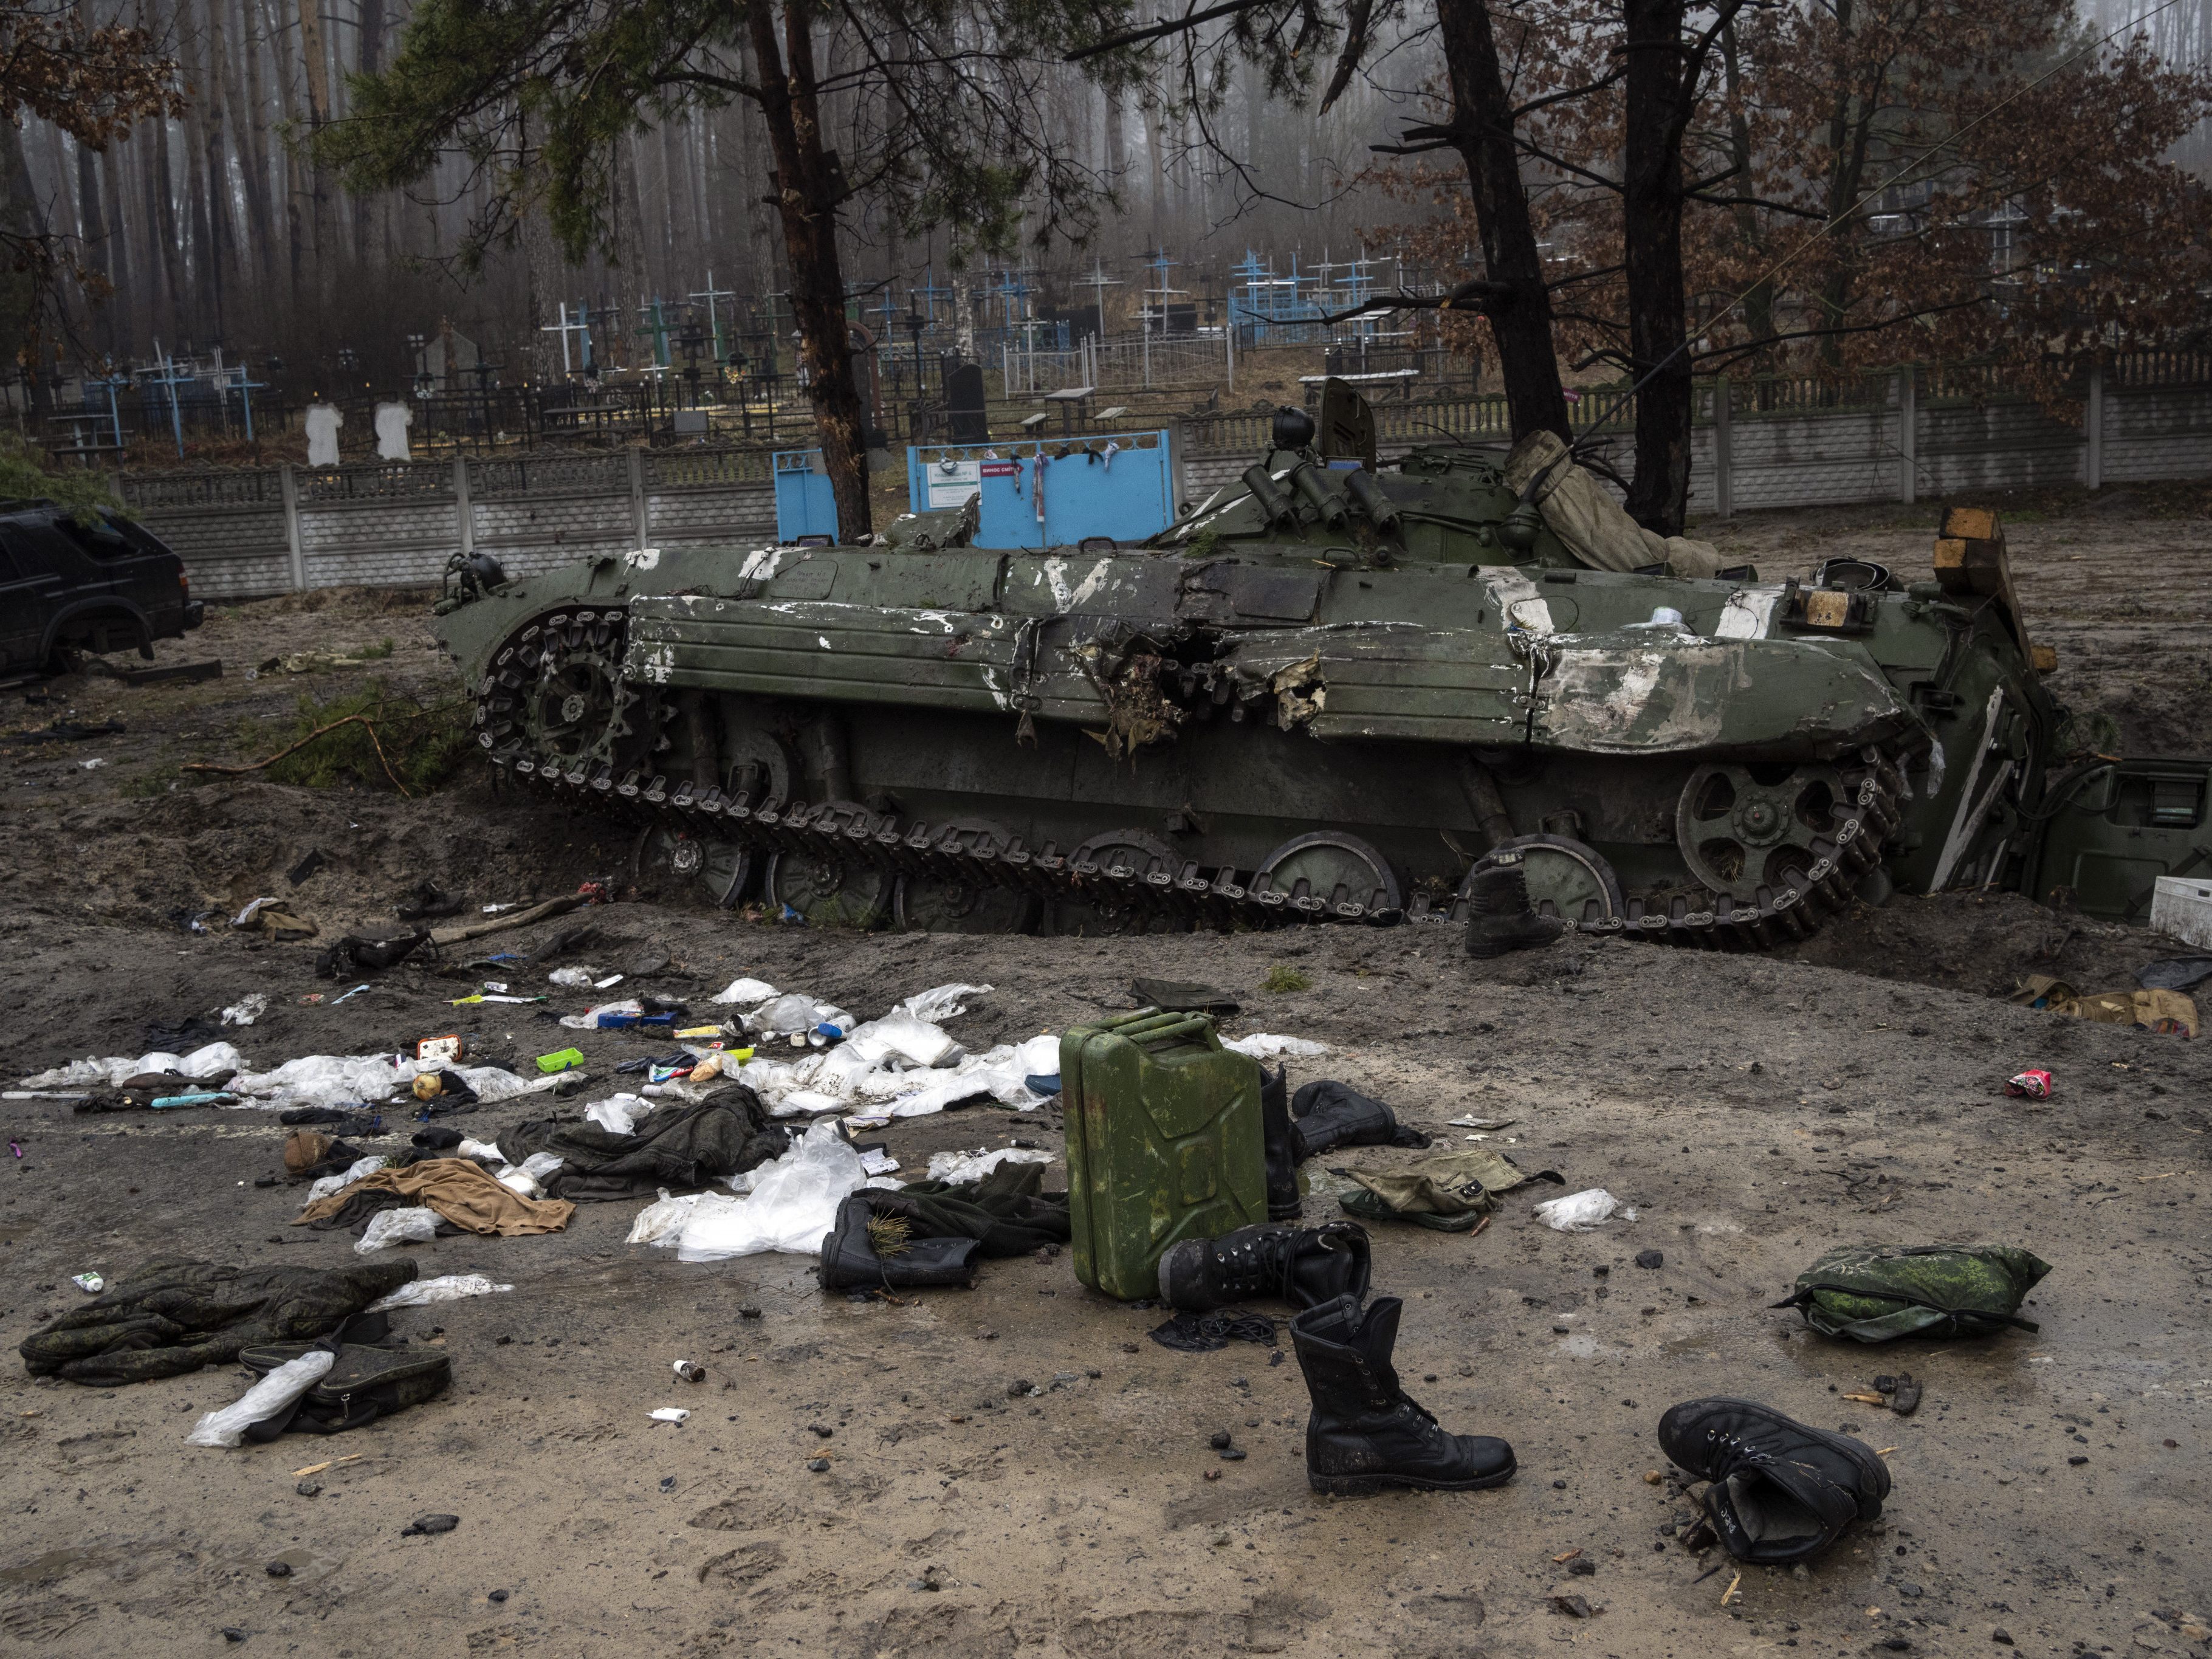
(1304, 1267)
(1365, 1433)
(1499, 917)
(1325, 1115)
(850, 1259)
(1279, 1143)
(1781, 1490)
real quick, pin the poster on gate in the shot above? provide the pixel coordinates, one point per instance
(952, 482)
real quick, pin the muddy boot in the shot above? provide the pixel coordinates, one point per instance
(1279, 1142)
(1781, 1490)
(1325, 1115)
(1365, 1433)
(1304, 1267)
(850, 1259)
(1499, 918)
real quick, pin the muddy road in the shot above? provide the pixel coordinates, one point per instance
(1752, 1111)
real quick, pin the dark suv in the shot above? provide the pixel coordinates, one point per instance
(99, 585)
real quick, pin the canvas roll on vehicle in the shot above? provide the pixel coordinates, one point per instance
(1327, 694)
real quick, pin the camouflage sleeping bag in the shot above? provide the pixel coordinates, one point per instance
(1872, 1293)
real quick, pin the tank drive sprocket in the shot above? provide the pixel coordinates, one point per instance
(554, 703)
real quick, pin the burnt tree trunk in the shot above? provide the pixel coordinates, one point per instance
(1482, 121)
(805, 198)
(1661, 83)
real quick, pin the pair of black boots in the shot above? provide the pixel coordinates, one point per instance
(1365, 1432)
(1323, 1114)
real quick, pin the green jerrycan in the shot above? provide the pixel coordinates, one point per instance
(1163, 1144)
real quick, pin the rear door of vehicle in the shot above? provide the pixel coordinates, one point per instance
(2114, 827)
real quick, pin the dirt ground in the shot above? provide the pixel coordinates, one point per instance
(1752, 1111)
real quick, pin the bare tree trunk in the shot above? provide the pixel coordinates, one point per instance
(243, 66)
(202, 129)
(1660, 87)
(1482, 125)
(806, 205)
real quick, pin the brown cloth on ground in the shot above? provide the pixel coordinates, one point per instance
(2166, 1012)
(1597, 528)
(462, 1192)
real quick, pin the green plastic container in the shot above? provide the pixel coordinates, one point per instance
(1163, 1144)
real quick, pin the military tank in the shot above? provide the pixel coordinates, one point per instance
(1327, 694)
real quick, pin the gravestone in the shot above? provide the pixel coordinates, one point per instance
(966, 413)
(393, 420)
(322, 423)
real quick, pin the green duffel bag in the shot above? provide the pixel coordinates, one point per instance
(1872, 1293)
(364, 1383)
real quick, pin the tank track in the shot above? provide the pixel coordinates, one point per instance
(1155, 898)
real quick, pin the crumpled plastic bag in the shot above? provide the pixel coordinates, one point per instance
(974, 1166)
(659, 1222)
(575, 977)
(227, 1426)
(338, 1079)
(902, 1036)
(414, 1226)
(446, 1287)
(790, 1207)
(1579, 1212)
(796, 1012)
(345, 1178)
(618, 1114)
(744, 993)
(1261, 1045)
(247, 1009)
(110, 1072)
(941, 1001)
(1001, 1072)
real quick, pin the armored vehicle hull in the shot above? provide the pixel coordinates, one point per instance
(1325, 695)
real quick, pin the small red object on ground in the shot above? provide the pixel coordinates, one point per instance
(2029, 1085)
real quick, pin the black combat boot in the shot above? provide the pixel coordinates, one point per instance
(1364, 1434)
(1781, 1490)
(1326, 1114)
(850, 1261)
(1304, 1267)
(1499, 917)
(1279, 1143)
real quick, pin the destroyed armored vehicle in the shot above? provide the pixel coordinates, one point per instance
(1327, 694)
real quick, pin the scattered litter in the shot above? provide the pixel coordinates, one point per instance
(689, 1370)
(1182, 997)
(2029, 1085)
(956, 1167)
(559, 1059)
(1204, 1332)
(2168, 1013)
(282, 1387)
(90, 1283)
(1261, 1045)
(348, 995)
(658, 1222)
(576, 977)
(2175, 974)
(618, 1114)
(446, 1287)
(669, 1414)
(328, 1464)
(941, 1001)
(199, 1098)
(611, 980)
(1492, 1124)
(245, 1010)
(1730, 1594)
(1579, 1212)
(216, 1059)
(428, 1525)
(439, 1051)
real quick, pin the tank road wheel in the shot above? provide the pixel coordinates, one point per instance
(958, 900)
(828, 880)
(1756, 832)
(1115, 897)
(553, 701)
(1566, 879)
(666, 856)
(1345, 878)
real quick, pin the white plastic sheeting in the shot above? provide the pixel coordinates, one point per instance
(1263, 1045)
(335, 1079)
(744, 993)
(525, 1176)
(657, 1221)
(446, 1287)
(227, 1425)
(111, 1072)
(618, 1114)
(792, 1204)
(974, 1166)
(338, 1184)
(415, 1224)
(941, 1001)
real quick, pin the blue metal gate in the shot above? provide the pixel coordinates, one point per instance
(1055, 493)
(805, 505)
